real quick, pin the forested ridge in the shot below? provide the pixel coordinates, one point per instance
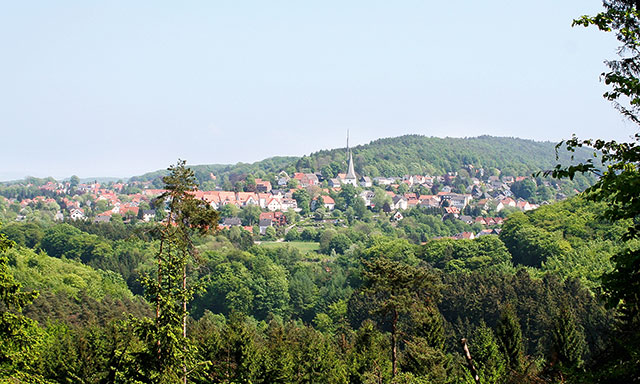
(404, 155)
(416, 155)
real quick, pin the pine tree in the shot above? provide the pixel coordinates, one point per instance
(486, 354)
(169, 356)
(510, 338)
(396, 288)
(568, 340)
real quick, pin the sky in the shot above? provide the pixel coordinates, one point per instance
(120, 88)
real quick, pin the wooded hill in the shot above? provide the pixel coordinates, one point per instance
(398, 156)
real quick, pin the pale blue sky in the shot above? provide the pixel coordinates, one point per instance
(118, 88)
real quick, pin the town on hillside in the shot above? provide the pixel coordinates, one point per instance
(473, 204)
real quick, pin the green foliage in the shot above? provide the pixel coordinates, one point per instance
(486, 354)
(19, 335)
(470, 298)
(369, 359)
(292, 235)
(397, 250)
(64, 240)
(453, 255)
(68, 277)
(396, 289)
(250, 214)
(168, 354)
(531, 245)
(524, 189)
(568, 343)
(432, 155)
(509, 336)
(82, 355)
(303, 200)
(225, 172)
(240, 238)
(619, 183)
(25, 234)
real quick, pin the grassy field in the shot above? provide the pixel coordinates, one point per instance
(302, 246)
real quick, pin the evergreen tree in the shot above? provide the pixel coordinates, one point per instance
(369, 358)
(395, 289)
(568, 340)
(510, 338)
(486, 354)
(239, 356)
(168, 355)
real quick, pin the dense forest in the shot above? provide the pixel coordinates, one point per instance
(529, 303)
(435, 156)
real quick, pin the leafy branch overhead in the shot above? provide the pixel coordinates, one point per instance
(619, 182)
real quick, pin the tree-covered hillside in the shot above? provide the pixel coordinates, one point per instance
(233, 172)
(415, 154)
(398, 156)
(279, 314)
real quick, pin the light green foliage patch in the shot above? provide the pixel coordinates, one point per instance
(302, 246)
(39, 271)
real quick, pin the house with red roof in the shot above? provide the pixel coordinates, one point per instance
(263, 185)
(277, 218)
(327, 202)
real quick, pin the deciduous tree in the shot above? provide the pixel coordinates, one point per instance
(19, 335)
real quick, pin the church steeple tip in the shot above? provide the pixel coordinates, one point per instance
(351, 177)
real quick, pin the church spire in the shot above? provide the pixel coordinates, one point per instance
(348, 151)
(351, 174)
(351, 177)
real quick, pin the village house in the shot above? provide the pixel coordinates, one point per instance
(76, 214)
(277, 218)
(327, 202)
(399, 202)
(334, 183)
(456, 200)
(231, 221)
(289, 203)
(368, 197)
(384, 180)
(283, 179)
(504, 203)
(148, 215)
(273, 204)
(366, 182)
(264, 224)
(263, 185)
(466, 219)
(465, 235)
(306, 179)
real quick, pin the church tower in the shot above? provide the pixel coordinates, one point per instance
(351, 177)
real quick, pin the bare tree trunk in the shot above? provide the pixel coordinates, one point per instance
(184, 318)
(470, 365)
(159, 292)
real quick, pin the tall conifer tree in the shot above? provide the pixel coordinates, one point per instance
(510, 337)
(169, 356)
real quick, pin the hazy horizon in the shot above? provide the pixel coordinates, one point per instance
(126, 177)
